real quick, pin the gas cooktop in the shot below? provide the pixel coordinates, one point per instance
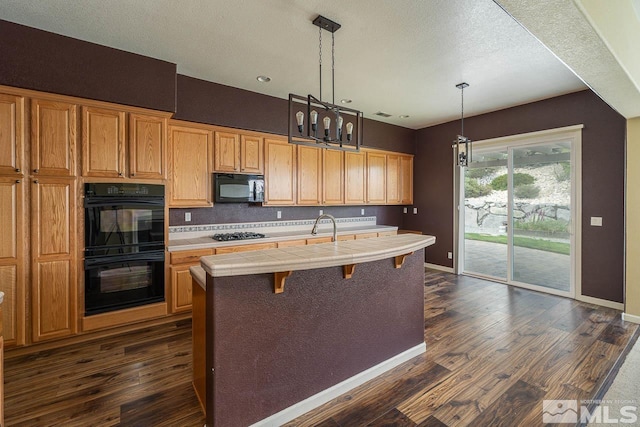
(226, 237)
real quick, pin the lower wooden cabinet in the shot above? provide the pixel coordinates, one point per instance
(181, 291)
(246, 248)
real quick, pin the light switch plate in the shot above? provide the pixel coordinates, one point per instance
(415, 211)
(187, 216)
(404, 210)
(450, 255)
(320, 212)
(596, 221)
(279, 214)
(361, 211)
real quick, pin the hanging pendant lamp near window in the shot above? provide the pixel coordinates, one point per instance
(462, 144)
(305, 113)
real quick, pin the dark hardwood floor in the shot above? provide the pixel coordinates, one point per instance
(493, 354)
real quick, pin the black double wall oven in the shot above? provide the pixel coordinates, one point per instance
(124, 246)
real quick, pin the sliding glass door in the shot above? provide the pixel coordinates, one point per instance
(518, 214)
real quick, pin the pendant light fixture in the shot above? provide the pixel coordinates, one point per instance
(306, 113)
(462, 144)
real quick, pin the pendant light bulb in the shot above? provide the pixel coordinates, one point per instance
(327, 125)
(339, 121)
(300, 119)
(314, 120)
(349, 131)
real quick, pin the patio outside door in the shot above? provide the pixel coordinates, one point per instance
(519, 214)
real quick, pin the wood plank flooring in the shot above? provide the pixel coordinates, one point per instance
(493, 354)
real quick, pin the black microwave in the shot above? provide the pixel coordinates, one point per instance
(237, 188)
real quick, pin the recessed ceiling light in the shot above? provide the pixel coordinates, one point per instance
(263, 79)
(345, 101)
(383, 114)
(404, 116)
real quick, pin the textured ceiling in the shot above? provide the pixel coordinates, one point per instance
(402, 57)
(597, 39)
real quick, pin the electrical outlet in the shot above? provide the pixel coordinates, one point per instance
(415, 211)
(279, 214)
(404, 210)
(596, 221)
(450, 255)
(187, 216)
(320, 212)
(361, 211)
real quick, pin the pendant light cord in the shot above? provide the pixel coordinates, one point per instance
(462, 109)
(333, 68)
(320, 56)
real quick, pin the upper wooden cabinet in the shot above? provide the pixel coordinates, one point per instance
(355, 165)
(190, 152)
(333, 177)
(238, 153)
(280, 172)
(226, 153)
(53, 138)
(251, 154)
(147, 146)
(309, 175)
(393, 179)
(11, 135)
(103, 142)
(406, 180)
(53, 258)
(12, 258)
(376, 178)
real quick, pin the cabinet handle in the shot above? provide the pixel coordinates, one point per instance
(36, 170)
(119, 173)
(35, 181)
(18, 170)
(18, 181)
(133, 174)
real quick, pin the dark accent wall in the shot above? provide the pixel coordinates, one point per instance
(270, 351)
(603, 162)
(48, 62)
(212, 103)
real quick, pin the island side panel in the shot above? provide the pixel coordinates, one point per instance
(271, 351)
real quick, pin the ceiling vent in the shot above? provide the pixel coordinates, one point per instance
(381, 114)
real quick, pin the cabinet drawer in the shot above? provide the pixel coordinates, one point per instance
(319, 240)
(387, 233)
(245, 248)
(288, 243)
(346, 237)
(192, 256)
(366, 235)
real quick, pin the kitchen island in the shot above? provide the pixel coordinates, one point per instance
(278, 332)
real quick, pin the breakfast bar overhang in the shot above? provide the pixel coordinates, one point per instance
(278, 332)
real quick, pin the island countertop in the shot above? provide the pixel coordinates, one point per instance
(314, 256)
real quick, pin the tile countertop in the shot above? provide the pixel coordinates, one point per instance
(207, 242)
(310, 257)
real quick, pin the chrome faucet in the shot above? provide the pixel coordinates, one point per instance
(314, 231)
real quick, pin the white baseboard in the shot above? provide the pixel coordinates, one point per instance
(324, 396)
(439, 267)
(602, 302)
(630, 318)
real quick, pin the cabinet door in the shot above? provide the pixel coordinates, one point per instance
(309, 175)
(53, 138)
(355, 178)
(251, 155)
(12, 258)
(376, 178)
(11, 135)
(147, 147)
(393, 179)
(333, 177)
(190, 152)
(180, 288)
(53, 240)
(280, 172)
(406, 180)
(103, 139)
(226, 156)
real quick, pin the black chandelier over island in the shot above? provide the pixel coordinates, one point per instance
(341, 126)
